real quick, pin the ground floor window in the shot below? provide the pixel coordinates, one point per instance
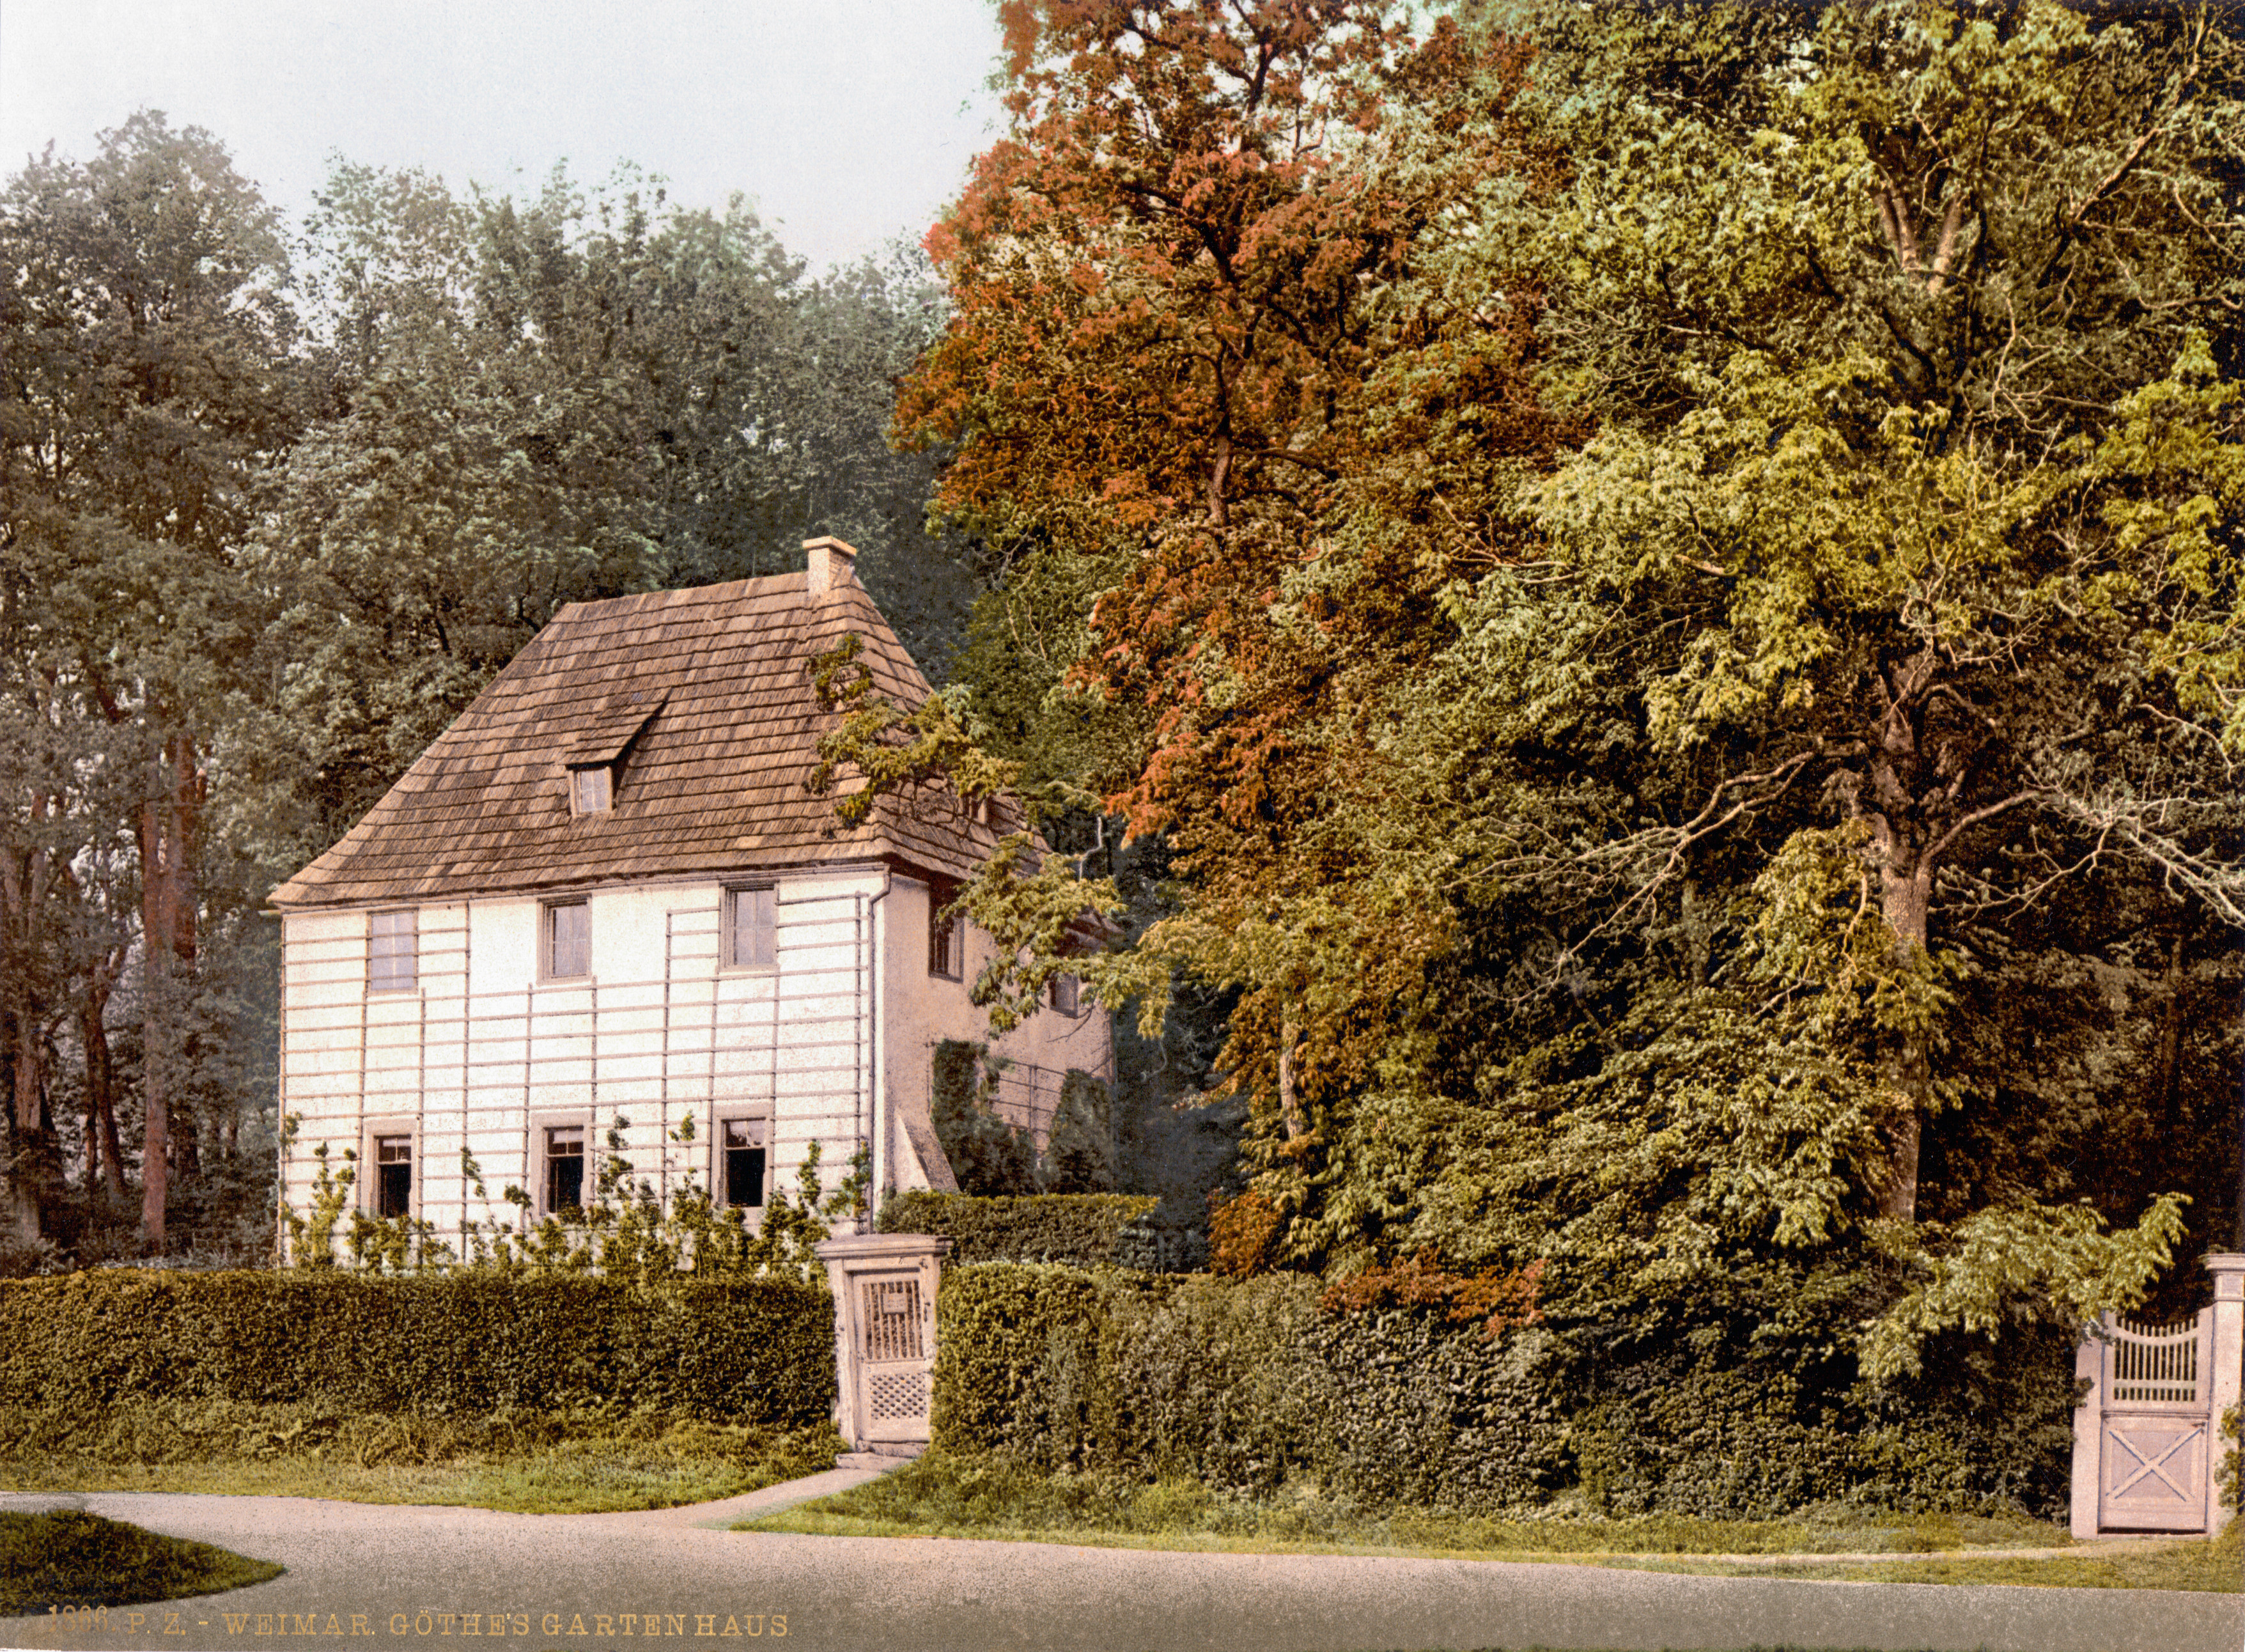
(743, 1142)
(565, 1168)
(393, 1176)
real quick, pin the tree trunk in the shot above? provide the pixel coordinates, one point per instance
(27, 1111)
(1290, 1108)
(102, 1149)
(1900, 852)
(168, 927)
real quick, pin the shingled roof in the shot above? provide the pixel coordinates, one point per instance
(705, 699)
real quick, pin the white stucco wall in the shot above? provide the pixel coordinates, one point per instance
(481, 1054)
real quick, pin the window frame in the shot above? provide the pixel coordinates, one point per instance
(410, 956)
(548, 1160)
(539, 1180)
(729, 933)
(548, 912)
(372, 1132)
(602, 779)
(758, 1115)
(1068, 986)
(946, 937)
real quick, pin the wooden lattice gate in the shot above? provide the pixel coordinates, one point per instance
(883, 1289)
(2147, 1446)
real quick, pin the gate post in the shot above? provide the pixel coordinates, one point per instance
(2088, 1434)
(2226, 1360)
(884, 1287)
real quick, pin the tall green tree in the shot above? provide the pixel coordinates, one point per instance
(148, 344)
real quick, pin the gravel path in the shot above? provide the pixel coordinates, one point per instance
(399, 1575)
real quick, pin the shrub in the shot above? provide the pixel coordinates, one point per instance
(752, 1351)
(1242, 1386)
(1086, 1230)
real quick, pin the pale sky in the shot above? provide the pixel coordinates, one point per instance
(846, 122)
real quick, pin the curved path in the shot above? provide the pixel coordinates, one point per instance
(392, 1576)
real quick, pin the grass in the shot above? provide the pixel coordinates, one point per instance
(65, 1557)
(960, 1497)
(529, 1464)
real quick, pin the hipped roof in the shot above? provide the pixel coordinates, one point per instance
(706, 696)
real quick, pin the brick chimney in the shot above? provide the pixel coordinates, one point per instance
(830, 564)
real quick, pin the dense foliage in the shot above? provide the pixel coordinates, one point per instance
(1698, 728)
(1083, 1230)
(479, 1340)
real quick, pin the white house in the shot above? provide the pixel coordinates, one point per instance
(604, 894)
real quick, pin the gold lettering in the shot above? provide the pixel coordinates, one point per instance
(705, 1623)
(235, 1622)
(628, 1619)
(604, 1626)
(359, 1625)
(732, 1626)
(444, 1622)
(172, 1624)
(399, 1623)
(469, 1620)
(136, 1619)
(675, 1623)
(265, 1623)
(551, 1624)
(758, 1620)
(779, 1624)
(305, 1625)
(577, 1623)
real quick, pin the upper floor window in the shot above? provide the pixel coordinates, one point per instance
(592, 791)
(943, 948)
(393, 1175)
(751, 928)
(1067, 995)
(569, 940)
(390, 952)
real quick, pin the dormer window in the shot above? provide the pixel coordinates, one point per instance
(593, 791)
(595, 751)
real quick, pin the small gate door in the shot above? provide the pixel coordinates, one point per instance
(896, 1352)
(2152, 1455)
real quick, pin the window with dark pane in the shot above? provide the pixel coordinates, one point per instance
(569, 940)
(390, 952)
(1067, 995)
(942, 935)
(565, 1168)
(751, 928)
(744, 1162)
(393, 1175)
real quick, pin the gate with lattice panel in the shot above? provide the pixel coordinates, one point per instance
(2147, 1444)
(884, 1287)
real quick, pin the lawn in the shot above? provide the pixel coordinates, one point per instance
(64, 1558)
(530, 1463)
(959, 1497)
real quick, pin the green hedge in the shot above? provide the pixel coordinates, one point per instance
(752, 1351)
(1243, 1385)
(1085, 1230)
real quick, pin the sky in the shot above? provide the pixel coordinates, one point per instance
(845, 122)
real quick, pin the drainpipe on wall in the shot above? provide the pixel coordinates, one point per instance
(876, 1125)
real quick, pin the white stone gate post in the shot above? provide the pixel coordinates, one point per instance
(2227, 1374)
(883, 1289)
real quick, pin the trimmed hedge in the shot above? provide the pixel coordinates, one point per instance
(1242, 1385)
(1084, 1230)
(752, 1351)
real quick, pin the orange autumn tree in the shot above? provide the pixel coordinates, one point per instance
(1201, 326)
